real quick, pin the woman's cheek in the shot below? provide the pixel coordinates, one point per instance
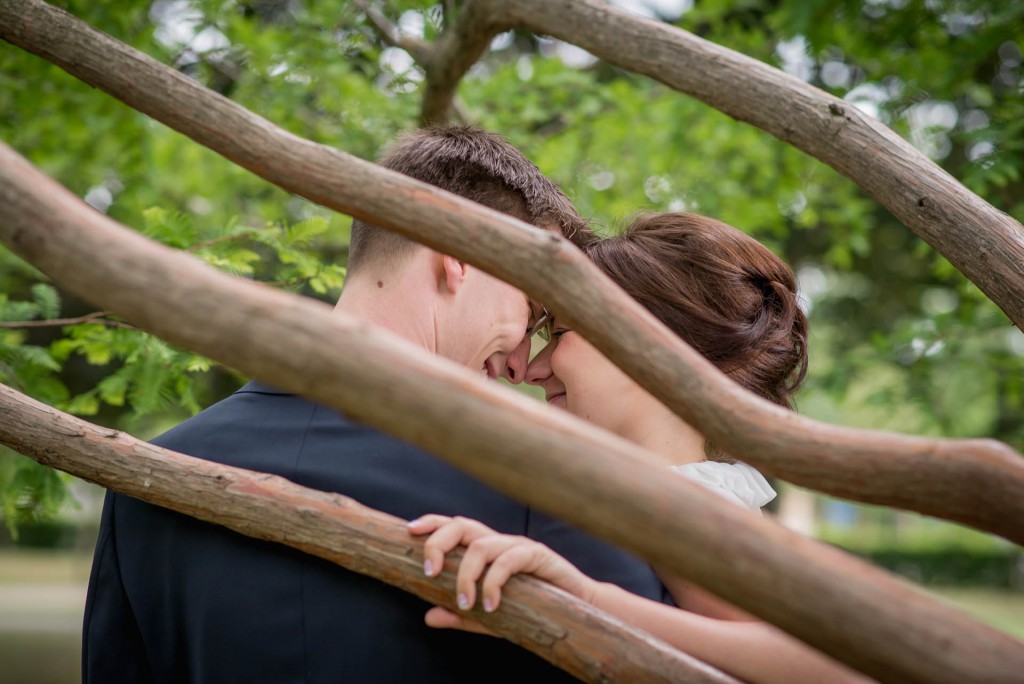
(559, 367)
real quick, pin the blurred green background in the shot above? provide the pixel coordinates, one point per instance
(900, 340)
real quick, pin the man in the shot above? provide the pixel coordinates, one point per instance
(174, 600)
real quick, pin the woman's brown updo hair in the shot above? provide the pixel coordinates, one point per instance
(719, 289)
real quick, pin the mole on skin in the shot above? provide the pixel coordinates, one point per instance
(380, 283)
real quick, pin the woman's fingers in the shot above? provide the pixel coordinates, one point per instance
(442, 618)
(481, 553)
(443, 539)
(433, 522)
(445, 534)
(517, 557)
(498, 555)
(427, 523)
(533, 558)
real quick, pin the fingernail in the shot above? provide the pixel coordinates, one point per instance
(428, 568)
(463, 602)
(488, 605)
(413, 521)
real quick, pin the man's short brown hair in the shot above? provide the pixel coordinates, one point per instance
(479, 166)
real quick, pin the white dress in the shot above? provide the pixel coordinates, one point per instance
(738, 482)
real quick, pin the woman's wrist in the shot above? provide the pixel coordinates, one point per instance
(599, 594)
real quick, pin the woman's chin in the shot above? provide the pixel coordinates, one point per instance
(558, 400)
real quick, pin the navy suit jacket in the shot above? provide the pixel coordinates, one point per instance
(175, 600)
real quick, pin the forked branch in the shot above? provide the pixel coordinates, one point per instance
(420, 50)
(460, 46)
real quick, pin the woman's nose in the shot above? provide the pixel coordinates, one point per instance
(539, 369)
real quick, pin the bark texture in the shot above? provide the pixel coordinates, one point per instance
(974, 482)
(859, 614)
(575, 636)
(984, 243)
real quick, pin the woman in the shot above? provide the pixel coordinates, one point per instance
(734, 301)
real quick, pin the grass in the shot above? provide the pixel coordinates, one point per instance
(40, 657)
(38, 566)
(41, 602)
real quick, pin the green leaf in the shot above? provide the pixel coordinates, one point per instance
(112, 389)
(197, 364)
(20, 311)
(96, 354)
(300, 234)
(47, 299)
(85, 404)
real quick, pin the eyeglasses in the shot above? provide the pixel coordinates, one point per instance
(540, 325)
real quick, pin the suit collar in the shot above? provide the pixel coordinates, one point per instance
(258, 387)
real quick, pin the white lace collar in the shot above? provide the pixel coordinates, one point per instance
(738, 482)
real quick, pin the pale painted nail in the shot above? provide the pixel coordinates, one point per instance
(463, 602)
(428, 568)
(488, 605)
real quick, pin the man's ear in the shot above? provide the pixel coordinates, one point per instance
(453, 273)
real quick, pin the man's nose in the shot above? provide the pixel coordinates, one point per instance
(518, 360)
(539, 369)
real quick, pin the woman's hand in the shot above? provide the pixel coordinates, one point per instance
(495, 557)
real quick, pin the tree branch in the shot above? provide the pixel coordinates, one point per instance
(974, 482)
(560, 628)
(463, 42)
(94, 317)
(982, 242)
(420, 50)
(859, 614)
(389, 33)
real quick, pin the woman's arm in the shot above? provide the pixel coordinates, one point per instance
(753, 651)
(693, 599)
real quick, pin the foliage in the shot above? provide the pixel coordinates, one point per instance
(901, 340)
(927, 551)
(29, 493)
(952, 567)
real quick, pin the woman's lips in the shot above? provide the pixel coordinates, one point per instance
(555, 397)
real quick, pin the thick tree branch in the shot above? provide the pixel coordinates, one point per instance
(985, 244)
(563, 630)
(459, 47)
(975, 482)
(562, 465)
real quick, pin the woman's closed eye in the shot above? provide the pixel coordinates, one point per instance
(554, 330)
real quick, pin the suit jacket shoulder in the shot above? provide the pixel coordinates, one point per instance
(199, 603)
